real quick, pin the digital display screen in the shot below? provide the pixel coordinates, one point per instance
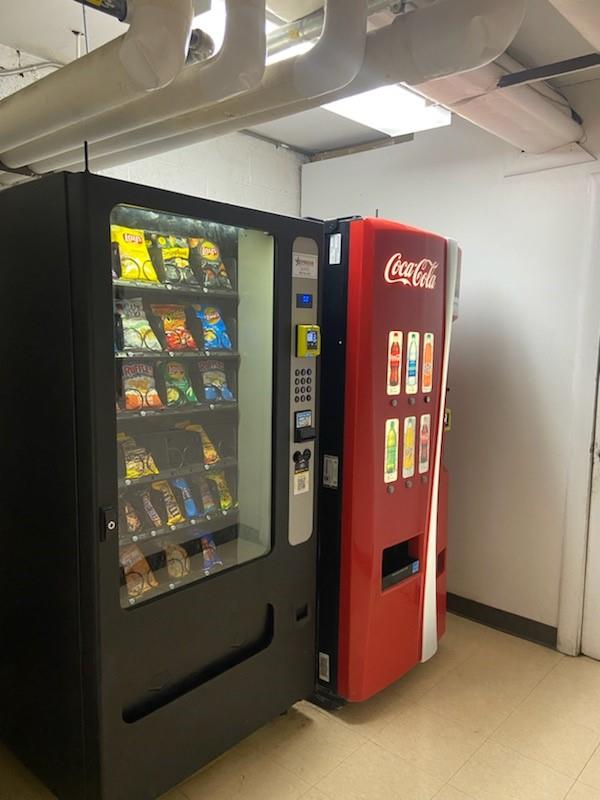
(304, 301)
(303, 419)
(312, 340)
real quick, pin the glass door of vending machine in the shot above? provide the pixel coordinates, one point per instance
(193, 312)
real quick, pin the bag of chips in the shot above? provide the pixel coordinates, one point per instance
(225, 498)
(139, 387)
(209, 504)
(210, 554)
(214, 381)
(156, 521)
(191, 509)
(174, 325)
(213, 328)
(209, 451)
(180, 391)
(134, 328)
(138, 460)
(134, 523)
(174, 514)
(206, 257)
(138, 575)
(175, 255)
(178, 561)
(134, 258)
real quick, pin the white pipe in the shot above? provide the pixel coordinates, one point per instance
(583, 16)
(238, 67)
(106, 78)
(533, 119)
(458, 35)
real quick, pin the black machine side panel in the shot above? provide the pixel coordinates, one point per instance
(187, 675)
(41, 706)
(329, 515)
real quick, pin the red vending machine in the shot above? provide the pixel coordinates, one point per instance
(389, 301)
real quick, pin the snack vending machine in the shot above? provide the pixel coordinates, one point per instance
(389, 294)
(157, 587)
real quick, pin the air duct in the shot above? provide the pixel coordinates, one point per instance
(148, 56)
(448, 37)
(534, 119)
(584, 16)
(237, 67)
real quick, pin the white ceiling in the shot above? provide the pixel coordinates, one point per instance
(44, 28)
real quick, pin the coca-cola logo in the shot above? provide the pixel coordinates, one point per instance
(420, 274)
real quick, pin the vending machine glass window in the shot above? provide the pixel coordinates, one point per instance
(193, 311)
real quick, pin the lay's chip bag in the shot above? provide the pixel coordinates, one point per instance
(134, 258)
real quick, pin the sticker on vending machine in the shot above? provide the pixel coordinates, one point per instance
(424, 443)
(302, 473)
(394, 362)
(427, 376)
(391, 450)
(408, 455)
(412, 362)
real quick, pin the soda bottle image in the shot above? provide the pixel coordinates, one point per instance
(412, 364)
(428, 362)
(408, 460)
(425, 443)
(394, 362)
(391, 445)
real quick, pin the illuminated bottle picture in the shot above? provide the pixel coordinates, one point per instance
(394, 362)
(391, 450)
(408, 458)
(412, 364)
(427, 378)
(424, 443)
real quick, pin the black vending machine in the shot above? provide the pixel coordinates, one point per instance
(157, 579)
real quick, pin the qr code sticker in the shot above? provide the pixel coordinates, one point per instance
(301, 482)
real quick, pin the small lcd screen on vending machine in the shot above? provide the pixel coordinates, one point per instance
(304, 301)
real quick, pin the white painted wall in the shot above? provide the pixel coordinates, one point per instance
(522, 406)
(234, 169)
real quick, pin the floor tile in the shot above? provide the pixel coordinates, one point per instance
(572, 691)
(450, 793)
(582, 792)
(252, 778)
(174, 794)
(498, 773)
(312, 742)
(373, 773)
(591, 773)
(16, 782)
(371, 716)
(314, 794)
(430, 742)
(535, 731)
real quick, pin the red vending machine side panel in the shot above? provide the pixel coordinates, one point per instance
(394, 378)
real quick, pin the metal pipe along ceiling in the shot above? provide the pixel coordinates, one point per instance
(446, 38)
(106, 78)
(237, 67)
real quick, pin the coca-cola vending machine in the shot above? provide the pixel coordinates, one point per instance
(389, 299)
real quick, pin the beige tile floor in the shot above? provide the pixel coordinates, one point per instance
(490, 717)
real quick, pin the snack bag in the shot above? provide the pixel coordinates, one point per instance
(175, 328)
(134, 523)
(174, 515)
(175, 253)
(178, 561)
(225, 498)
(214, 328)
(180, 391)
(155, 518)
(211, 455)
(210, 554)
(138, 461)
(208, 259)
(136, 331)
(191, 509)
(134, 258)
(214, 381)
(138, 575)
(139, 387)
(208, 501)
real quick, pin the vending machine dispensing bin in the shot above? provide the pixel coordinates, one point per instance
(158, 570)
(388, 302)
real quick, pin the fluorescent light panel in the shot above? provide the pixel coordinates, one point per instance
(393, 110)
